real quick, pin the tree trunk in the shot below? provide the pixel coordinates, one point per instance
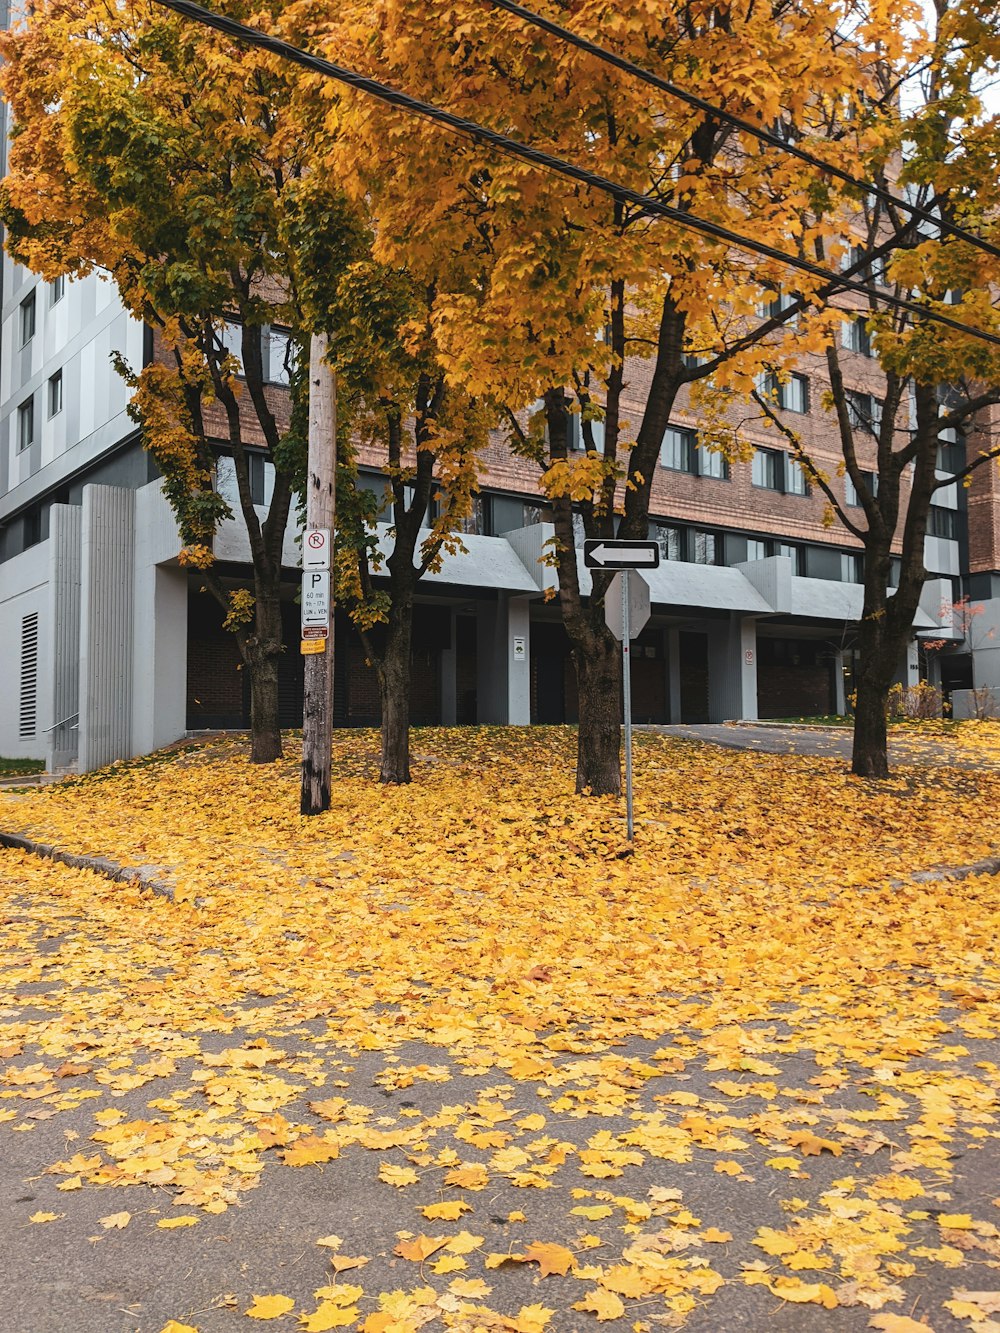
(394, 691)
(597, 656)
(263, 648)
(870, 758)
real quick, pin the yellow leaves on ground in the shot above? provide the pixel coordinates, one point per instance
(759, 996)
(269, 1307)
(172, 1326)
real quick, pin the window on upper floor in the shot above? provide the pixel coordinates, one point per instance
(792, 395)
(681, 452)
(670, 540)
(942, 522)
(796, 482)
(26, 425)
(27, 325)
(766, 470)
(776, 307)
(57, 289)
(277, 347)
(864, 411)
(705, 547)
(577, 440)
(855, 337)
(851, 567)
(55, 394)
(679, 449)
(851, 496)
(873, 271)
(951, 450)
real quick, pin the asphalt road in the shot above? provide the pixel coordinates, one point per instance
(925, 751)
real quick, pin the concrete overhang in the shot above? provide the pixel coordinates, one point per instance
(486, 562)
(708, 587)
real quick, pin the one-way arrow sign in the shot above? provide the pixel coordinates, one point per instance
(613, 554)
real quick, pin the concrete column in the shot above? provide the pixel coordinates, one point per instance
(732, 669)
(106, 604)
(503, 660)
(65, 522)
(159, 678)
(673, 636)
(518, 662)
(839, 693)
(449, 676)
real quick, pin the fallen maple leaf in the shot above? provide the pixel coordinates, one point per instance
(549, 1257)
(270, 1307)
(170, 1223)
(603, 1303)
(115, 1221)
(898, 1323)
(45, 1217)
(421, 1248)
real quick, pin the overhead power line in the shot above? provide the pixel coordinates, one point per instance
(747, 126)
(241, 32)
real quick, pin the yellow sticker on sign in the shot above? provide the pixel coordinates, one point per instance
(308, 646)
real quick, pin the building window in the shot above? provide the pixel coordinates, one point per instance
(756, 549)
(536, 514)
(671, 541)
(851, 496)
(712, 464)
(794, 553)
(261, 479)
(767, 469)
(28, 709)
(777, 306)
(855, 337)
(55, 394)
(943, 522)
(57, 289)
(796, 482)
(679, 449)
(26, 425)
(277, 349)
(704, 547)
(851, 568)
(791, 395)
(951, 450)
(873, 271)
(864, 411)
(27, 319)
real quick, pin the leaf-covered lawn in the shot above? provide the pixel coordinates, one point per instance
(750, 1061)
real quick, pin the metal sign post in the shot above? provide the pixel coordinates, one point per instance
(627, 699)
(626, 610)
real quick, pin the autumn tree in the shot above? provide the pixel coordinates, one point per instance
(156, 152)
(939, 381)
(544, 289)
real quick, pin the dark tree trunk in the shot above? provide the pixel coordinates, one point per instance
(870, 758)
(261, 652)
(597, 657)
(394, 691)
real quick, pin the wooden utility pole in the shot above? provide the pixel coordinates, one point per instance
(317, 593)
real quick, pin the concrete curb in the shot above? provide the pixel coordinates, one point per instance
(144, 876)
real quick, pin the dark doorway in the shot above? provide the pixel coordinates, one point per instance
(693, 653)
